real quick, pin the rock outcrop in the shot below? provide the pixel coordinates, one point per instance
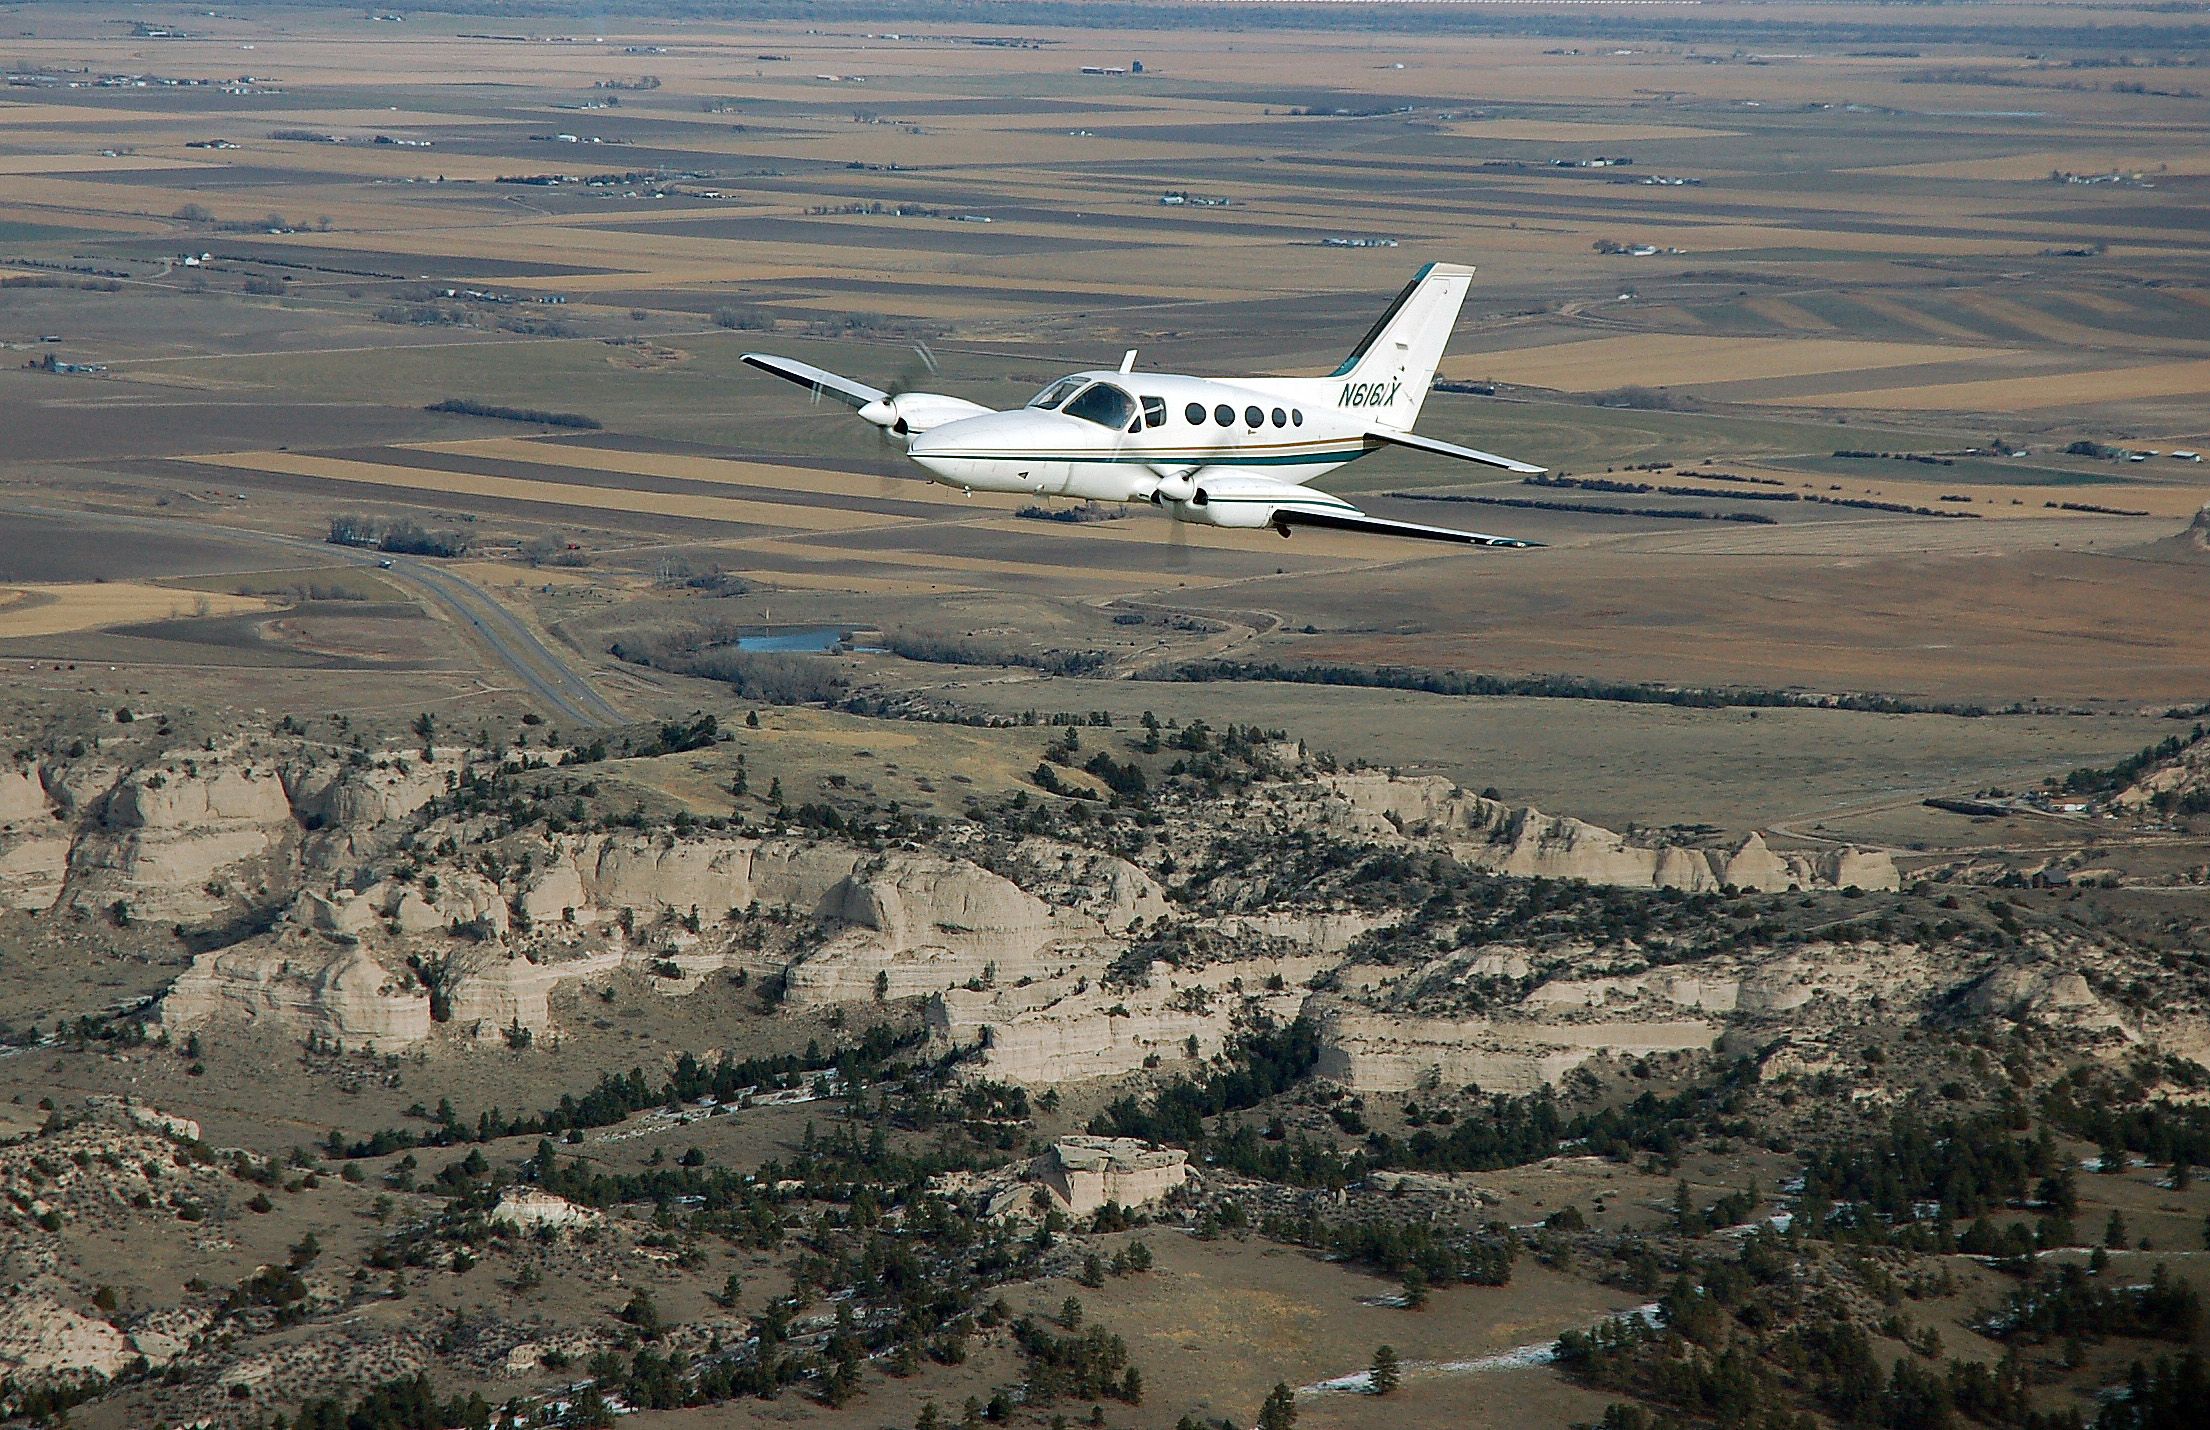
(34, 841)
(1524, 842)
(1070, 1028)
(44, 1340)
(528, 1209)
(901, 924)
(2051, 996)
(1075, 1176)
(916, 924)
(345, 995)
(190, 834)
(165, 838)
(1082, 1174)
(1373, 1052)
(1024, 949)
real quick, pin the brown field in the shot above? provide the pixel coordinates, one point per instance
(1845, 253)
(717, 509)
(2011, 396)
(1600, 364)
(56, 609)
(1884, 290)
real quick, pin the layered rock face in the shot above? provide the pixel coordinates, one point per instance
(1023, 950)
(1523, 842)
(170, 838)
(1109, 889)
(1377, 1052)
(165, 839)
(1082, 1174)
(898, 925)
(1537, 1019)
(343, 995)
(592, 878)
(1070, 1028)
(917, 924)
(1075, 1176)
(34, 843)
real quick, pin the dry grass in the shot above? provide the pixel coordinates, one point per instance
(761, 476)
(2032, 394)
(613, 499)
(2038, 165)
(1550, 131)
(1666, 359)
(54, 609)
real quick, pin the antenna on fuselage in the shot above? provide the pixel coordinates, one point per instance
(1128, 361)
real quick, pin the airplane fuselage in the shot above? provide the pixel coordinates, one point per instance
(1162, 426)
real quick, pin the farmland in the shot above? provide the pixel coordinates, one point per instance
(440, 677)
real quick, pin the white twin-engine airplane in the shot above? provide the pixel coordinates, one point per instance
(1219, 451)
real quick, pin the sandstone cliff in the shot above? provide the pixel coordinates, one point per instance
(1524, 842)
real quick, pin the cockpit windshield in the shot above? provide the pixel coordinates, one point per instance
(1055, 394)
(1104, 404)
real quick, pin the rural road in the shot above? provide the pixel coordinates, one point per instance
(537, 666)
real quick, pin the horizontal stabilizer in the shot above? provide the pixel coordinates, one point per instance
(1338, 520)
(1448, 449)
(828, 384)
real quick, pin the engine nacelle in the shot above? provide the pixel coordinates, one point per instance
(1231, 499)
(906, 413)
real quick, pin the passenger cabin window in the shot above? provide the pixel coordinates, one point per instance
(1252, 417)
(1154, 412)
(1281, 418)
(1297, 416)
(1195, 412)
(1224, 415)
(1104, 404)
(1055, 394)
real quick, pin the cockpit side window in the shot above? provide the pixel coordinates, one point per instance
(1055, 394)
(1154, 412)
(1104, 404)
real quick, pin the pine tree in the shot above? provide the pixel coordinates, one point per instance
(1385, 1373)
(1280, 1410)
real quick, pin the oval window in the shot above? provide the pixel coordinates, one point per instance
(1195, 412)
(1252, 417)
(1297, 417)
(1281, 418)
(1224, 415)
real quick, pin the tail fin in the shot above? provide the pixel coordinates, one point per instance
(1387, 374)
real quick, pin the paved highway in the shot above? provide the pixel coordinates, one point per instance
(563, 689)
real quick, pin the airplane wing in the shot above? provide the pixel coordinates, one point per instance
(1338, 520)
(828, 384)
(1228, 496)
(1446, 449)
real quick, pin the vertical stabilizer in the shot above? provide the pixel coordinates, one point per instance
(1387, 374)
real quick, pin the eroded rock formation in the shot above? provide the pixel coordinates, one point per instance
(1523, 842)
